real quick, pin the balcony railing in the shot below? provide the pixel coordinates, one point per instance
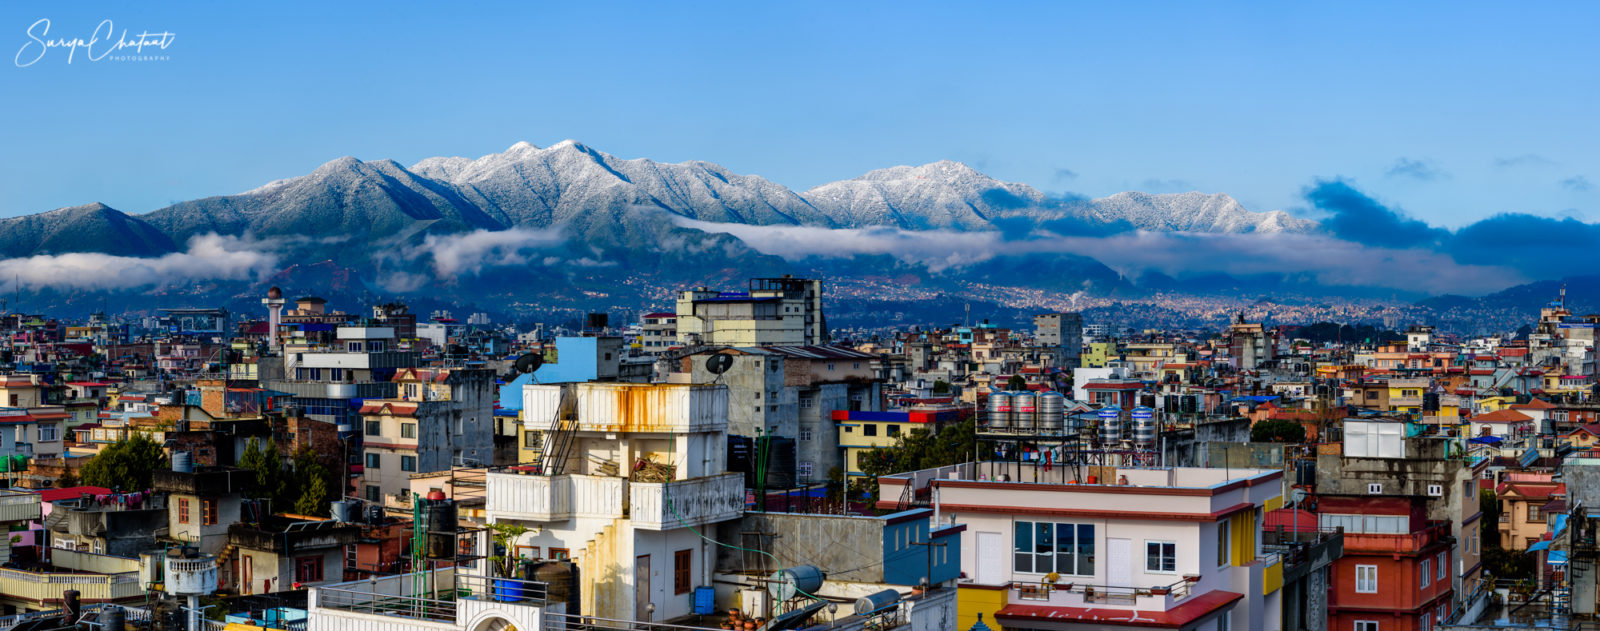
(1070, 593)
(427, 596)
(16, 506)
(43, 586)
(693, 502)
(1438, 532)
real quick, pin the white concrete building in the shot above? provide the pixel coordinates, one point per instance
(644, 468)
(1135, 547)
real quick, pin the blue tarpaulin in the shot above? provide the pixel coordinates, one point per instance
(1558, 557)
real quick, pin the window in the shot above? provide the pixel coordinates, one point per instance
(408, 463)
(408, 430)
(559, 554)
(47, 433)
(1533, 512)
(894, 430)
(374, 493)
(1442, 564)
(1160, 556)
(804, 470)
(1444, 612)
(830, 366)
(1043, 547)
(1224, 621)
(807, 402)
(372, 461)
(1366, 625)
(1366, 579)
(308, 569)
(183, 510)
(1222, 542)
(338, 374)
(1425, 622)
(374, 428)
(869, 430)
(531, 440)
(805, 435)
(1374, 488)
(681, 562)
(354, 347)
(208, 510)
(1426, 572)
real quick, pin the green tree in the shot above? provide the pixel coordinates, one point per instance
(941, 386)
(127, 464)
(67, 479)
(313, 480)
(263, 459)
(1277, 431)
(506, 535)
(1016, 382)
(921, 449)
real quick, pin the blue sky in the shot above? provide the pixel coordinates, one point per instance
(1452, 112)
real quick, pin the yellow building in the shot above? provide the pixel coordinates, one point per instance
(863, 432)
(1095, 355)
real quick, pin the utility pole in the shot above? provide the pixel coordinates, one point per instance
(927, 579)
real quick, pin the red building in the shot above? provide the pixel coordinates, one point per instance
(1396, 573)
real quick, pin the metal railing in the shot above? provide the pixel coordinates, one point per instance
(387, 596)
(569, 622)
(416, 607)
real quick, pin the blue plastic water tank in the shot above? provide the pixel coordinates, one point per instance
(705, 601)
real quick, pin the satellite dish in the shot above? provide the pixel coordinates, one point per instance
(529, 363)
(719, 363)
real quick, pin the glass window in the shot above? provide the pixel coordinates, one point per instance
(374, 428)
(408, 430)
(1160, 556)
(869, 430)
(1366, 579)
(1222, 542)
(1426, 573)
(1023, 547)
(408, 463)
(1085, 550)
(894, 430)
(372, 461)
(1443, 563)
(1044, 547)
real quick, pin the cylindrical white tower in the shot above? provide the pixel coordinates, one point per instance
(274, 302)
(191, 576)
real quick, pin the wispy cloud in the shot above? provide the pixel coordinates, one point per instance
(207, 257)
(1421, 170)
(1577, 183)
(1063, 175)
(1329, 260)
(1524, 160)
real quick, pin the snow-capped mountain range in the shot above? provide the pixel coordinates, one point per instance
(600, 197)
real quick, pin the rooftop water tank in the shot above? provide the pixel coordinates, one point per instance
(1024, 410)
(1051, 406)
(1110, 424)
(800, 580)
(999, 410)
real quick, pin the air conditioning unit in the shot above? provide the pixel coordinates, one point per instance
(1374, 489)
(1435, 490)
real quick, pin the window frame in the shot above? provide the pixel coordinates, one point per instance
(1425, 573)
(374, 460)
(1443, 563)
(412, 468)
(1164, 557)
(1074, 543)
(1224, 542)
(408, 430)
(208, 511)
(183, 510)
(312, 563)
(682, 571)
(1371, 582)
(374, 428)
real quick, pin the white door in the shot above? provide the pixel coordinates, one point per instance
(1119, 563)
(991, 559)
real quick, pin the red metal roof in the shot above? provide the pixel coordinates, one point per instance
(1193, 609)
(1502, 416)
(51, 495)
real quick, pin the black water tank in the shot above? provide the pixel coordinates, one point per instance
(442, 527)
(780, 463)
(561, 577)
(740, 458)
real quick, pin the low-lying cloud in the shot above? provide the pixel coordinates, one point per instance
(208, 257)
(1329, 260)
(468, 253)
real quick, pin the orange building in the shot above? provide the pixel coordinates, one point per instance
(1395, 574)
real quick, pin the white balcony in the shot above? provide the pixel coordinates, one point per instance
(15, 506)
(628, 407)
(692, 502)
(535, 497)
